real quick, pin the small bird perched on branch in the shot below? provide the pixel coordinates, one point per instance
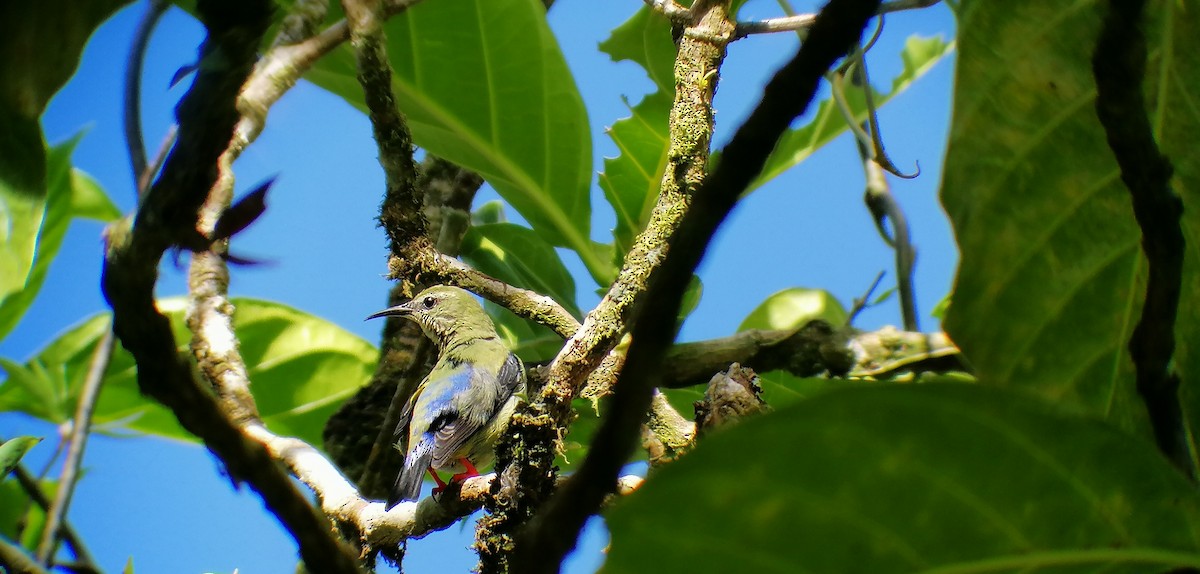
(459, 411)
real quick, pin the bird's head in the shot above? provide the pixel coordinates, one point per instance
(445, 313)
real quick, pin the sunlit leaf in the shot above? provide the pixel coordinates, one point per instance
(916, 478)
(793, 307)
(301, 368)
(12, 450)
(1052, 277)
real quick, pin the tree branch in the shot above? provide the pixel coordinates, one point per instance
(14, 560)
(133, 91)
(167, 217)
(80, 428)
(554, 531)
(1119, 65)
(802, 22)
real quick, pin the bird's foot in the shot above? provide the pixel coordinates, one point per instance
(468, 473)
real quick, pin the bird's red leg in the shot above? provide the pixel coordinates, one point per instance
(440, 484)
(465, 474)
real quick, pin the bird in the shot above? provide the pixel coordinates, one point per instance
(463, 406)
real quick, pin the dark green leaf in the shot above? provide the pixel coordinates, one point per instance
(12, 450)
(915, 478)
(1052, 277)
(508, 110)
(919, 56)
(792, 308)
(32, 69)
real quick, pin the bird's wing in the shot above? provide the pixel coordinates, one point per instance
(511, 379)
(456, 415)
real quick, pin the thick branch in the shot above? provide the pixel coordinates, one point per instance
(168, 217)
(1119, 64)
(554, 531)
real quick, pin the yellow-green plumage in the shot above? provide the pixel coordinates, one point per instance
(464, 404)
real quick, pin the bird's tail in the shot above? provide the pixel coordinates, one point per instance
(408, 482)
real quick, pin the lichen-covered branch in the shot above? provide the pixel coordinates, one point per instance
(1119, 65)
(540, 426)
(555, 529)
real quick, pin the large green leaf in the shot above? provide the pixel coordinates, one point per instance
(916, 478)
(70, 193)
(919, 56)
(1052, 276)
(301, 368)
(484, 84)
(40, 45)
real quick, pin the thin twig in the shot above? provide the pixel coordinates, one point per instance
(1119, 65)
(884, 207)
(30, 485)
(801, 22)
(133, 91)
(861, 303)
(670, 9)
(80, 428)
(554, 531)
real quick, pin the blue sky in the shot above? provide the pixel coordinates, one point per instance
(169, 507)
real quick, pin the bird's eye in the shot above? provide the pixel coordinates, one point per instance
(428, 302)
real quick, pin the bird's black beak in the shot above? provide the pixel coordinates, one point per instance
(401, 310)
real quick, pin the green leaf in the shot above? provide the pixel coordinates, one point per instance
(919, 56)
(645, 38)
(70, 193)
(32, 69)
(12, 450)
(509, 111)
(792, 308)
(1052, 278)
(631, 181)
(490, 212)
(520, 257)
(915, 478)
(301, 368)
